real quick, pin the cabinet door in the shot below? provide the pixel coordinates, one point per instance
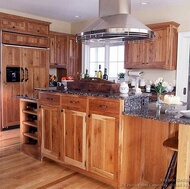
(75, 138)
(52, 54)
(39, 29)
(13, 24)
(36, 70)
(103, 146)
(11, 56)
(138, 55)
(51, 130)
(159, 48)
(74, 56)
(58, 50)
(61, 50)
(133, 54)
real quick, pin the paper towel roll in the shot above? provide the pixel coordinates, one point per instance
(135, 73)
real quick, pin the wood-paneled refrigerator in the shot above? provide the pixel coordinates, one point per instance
(33, 72)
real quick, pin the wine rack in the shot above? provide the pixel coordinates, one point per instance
(29, 128)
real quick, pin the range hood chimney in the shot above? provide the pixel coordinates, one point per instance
(115, 23)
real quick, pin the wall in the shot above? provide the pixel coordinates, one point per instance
(179, 14)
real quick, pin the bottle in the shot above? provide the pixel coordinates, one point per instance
(86, 74)
(96, 74)
(99, 72)
(105, 76)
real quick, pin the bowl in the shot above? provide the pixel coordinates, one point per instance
(185, 113)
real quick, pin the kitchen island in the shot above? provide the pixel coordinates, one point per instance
(96, 135)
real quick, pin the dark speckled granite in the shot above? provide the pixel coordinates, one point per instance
(98, 94)
(136, 105)
(154, 113)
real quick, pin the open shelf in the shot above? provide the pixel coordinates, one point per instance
(31, 123)
(29, 130)
(31, 135)
(30, 111)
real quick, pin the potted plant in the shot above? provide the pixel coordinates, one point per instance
(121, 77)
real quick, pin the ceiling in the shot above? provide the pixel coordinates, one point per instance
(66, 10)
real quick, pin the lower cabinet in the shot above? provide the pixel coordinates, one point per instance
(75, 138)
(103, 146)
(51, 131)
(82, 133)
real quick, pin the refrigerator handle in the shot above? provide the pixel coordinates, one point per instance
(22, 79)
(26, 69)
(184, 91)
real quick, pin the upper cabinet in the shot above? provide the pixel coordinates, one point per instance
(17, 30)
(159, 54)
(74, 56)
(20, 24)
(58, 49)
(65, 52)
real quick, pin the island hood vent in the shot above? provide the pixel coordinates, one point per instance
(115, 23)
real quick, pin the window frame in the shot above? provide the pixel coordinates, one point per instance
(86, 55)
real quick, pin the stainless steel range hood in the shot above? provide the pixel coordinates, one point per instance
(115, 23)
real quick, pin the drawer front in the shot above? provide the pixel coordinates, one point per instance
(39, 29)
(104, 107)
(49, 99)
(74, 103)
(21, 39)
(13, 25)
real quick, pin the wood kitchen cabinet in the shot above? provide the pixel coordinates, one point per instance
(74, 130)
(160, 53)
(23, 39)
(103, 130)
(22, 33)
(51, 122)
(33, 74)
(74, 64)
(11, 56)
(30, 131)
(19, 24)
(58, 50)
(65, 52)
(86, 135)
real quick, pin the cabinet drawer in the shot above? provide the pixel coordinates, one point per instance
(74, 103)
(104, 107)
(22, 39)
(50, 99)
(39, 29)
(13, 25)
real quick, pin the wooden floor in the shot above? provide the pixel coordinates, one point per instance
(20, 171)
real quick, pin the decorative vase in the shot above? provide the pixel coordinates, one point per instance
(158, 102)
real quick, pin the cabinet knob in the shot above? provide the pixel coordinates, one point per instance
(74, 102)
(102, 106)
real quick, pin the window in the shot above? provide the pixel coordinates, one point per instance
(106, 55)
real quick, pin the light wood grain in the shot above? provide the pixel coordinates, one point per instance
(18, 170)
(183, 166)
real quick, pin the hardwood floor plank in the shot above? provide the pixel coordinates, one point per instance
(20, 171)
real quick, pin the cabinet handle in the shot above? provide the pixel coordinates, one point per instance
(13, 26)
(27, 75)
(49, 98)
(22, 69)
(74, 102)
(184, 91)
(102, 106)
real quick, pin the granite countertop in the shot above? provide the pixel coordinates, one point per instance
(130, 95)
(132, 108)
(152, 112)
